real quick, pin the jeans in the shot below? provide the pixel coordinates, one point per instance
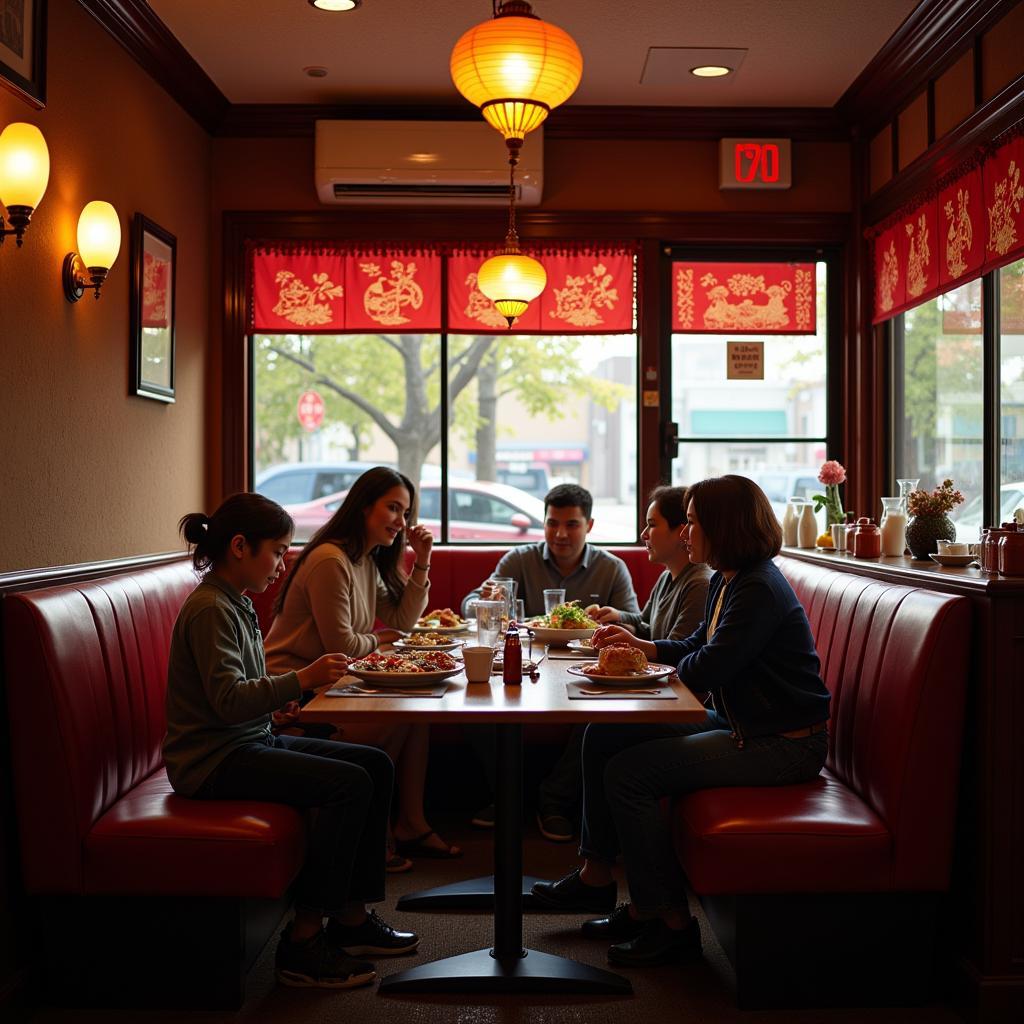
(349, 785)
(629, 769)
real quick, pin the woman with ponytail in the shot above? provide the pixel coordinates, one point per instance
(349, 575)
(219, 746)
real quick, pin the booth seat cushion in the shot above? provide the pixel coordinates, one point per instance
(151, 841)
(804, 838)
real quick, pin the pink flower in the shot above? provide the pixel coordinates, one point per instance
(832, 473)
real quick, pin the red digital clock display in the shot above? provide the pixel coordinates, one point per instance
(754, 164)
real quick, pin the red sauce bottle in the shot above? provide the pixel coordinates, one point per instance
(512, 668)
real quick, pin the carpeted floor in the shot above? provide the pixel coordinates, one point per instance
(697, 994)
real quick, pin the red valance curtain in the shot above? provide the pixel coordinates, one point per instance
(332, 290)
(965, 226)
(734, 298)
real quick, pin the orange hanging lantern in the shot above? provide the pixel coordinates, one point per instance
(511, 281)
(516, 69)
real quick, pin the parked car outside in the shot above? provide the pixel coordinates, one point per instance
(968, 523)
(477, 511)
(779, 485)
(298, 482)
(531, 477)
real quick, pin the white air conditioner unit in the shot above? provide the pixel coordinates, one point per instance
(415, 163)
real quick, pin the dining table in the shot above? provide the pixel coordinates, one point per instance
(544, 696)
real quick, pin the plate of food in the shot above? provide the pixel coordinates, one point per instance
(585, 646)
(432, 641)
(406, 670)
(620, 663)
(566, 622)
(441, 620)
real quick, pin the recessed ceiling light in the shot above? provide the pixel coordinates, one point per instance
(316, 71)
(424, 158)
(335, 5)
(711, 71)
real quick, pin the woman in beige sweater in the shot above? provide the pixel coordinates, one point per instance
(348, 576)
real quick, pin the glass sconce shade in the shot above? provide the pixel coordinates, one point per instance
(24, 165)
(99, 234)
(516, 69)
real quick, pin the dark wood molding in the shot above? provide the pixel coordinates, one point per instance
(994, 116)
(263, 120)
(57, 575)
(135, 25)
(764, 230)
(934, 36)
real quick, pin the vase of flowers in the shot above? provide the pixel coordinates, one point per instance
(930, 523)
(831, 475)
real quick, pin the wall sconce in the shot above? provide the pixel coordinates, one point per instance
(24, 173)
(99, 241)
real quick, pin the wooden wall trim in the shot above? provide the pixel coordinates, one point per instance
(994, 116)
(763, 230)
(57, 575)
(260, 120)
(136, 26)
(933, 36)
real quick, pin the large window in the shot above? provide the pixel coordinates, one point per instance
(1011, 389)
(939, 399)
(524, 413)
(772, 429)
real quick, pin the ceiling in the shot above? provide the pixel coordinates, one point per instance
(800, 53)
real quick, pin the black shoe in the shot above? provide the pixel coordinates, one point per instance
(484, 818)
(618, 926)
(658, 944)
(314, 964)
(371, 938)
(572, 895)
(555, 825)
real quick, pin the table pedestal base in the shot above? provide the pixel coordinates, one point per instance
(471, 894)
(480, 972)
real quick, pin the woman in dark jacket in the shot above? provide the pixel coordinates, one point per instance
(753, 660)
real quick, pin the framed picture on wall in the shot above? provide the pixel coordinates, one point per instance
(23, 49)
(152, 314)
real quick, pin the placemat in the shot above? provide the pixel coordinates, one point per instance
(573, 692)
(344, 688)
(564, 653)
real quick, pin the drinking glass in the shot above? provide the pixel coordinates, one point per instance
(503, 588)
(552, 599)
(906, 485)
(520, 615)
(488, 622)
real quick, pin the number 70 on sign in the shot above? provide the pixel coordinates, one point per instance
(754, 164)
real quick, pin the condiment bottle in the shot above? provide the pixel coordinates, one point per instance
(867, 542)
(990, 548)
(512, 667)
(1011, 553)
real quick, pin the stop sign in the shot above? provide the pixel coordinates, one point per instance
(311, 410)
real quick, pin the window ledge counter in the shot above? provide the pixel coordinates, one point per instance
(983, 934)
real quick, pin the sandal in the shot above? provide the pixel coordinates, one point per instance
(395, 863)
(419, 847)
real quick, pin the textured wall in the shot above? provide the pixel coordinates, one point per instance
(89, 472)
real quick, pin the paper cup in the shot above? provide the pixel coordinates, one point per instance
(478, 661)
(839, 536)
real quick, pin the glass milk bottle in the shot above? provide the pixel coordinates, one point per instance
(790, 522)
(894, 526)
(807, 528)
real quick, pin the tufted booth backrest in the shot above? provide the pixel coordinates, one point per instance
(457, 570)
(86, 675)
(895, 660)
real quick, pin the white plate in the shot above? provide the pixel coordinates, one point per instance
(463, 628)
(451, 645)
(581, 647)
(405, 680)
(653, 672)
(558, 637)
(954, 559)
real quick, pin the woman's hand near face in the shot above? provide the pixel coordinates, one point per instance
(421, 540)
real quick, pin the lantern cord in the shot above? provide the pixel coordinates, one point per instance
(512, 240)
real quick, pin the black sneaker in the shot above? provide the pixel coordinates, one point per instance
(555, 826)
(484, 818)
(574, 896)
(371, 938)
(314, 964)
(618, 926)
(658, 944)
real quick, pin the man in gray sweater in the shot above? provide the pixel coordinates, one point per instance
(564, 560)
